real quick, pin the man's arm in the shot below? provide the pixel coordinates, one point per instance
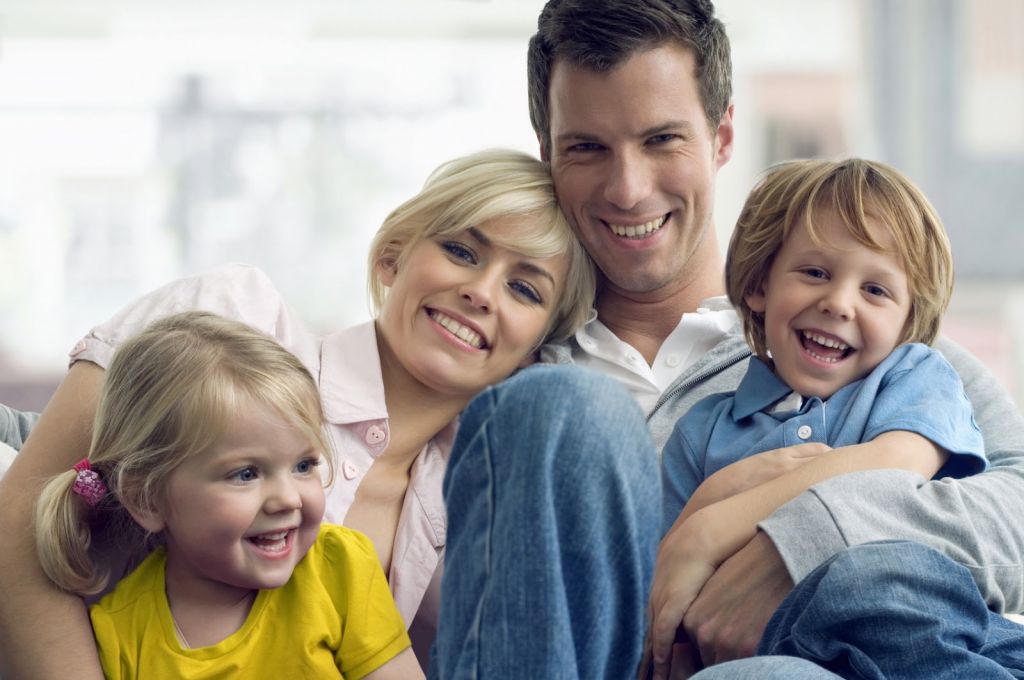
(45, 632)
(975, 521)
(700, 541)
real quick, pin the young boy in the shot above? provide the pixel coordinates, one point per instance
(840, 272)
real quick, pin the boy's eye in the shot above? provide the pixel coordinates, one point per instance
(525, 290)
(815, 272)
(459, 251)
(876, 290)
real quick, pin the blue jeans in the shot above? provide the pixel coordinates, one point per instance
(553, 498)
(891, 609)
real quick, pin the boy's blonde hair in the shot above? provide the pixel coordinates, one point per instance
(484, 186)
(169, 394)
(854, 189)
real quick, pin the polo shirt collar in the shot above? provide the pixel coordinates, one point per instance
(759, 389)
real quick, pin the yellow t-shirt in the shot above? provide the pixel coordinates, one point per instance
(335, 616)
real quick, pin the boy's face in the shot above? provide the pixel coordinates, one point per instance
(834, 311)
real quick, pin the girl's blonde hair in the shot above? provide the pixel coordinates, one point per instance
(483, 186)
(854, 190)
(169, 394)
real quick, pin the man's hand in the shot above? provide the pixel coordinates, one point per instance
(728, 617)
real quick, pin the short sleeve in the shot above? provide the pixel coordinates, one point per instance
(107, 643)
(922, 393)
(373, 630)
(682, 467)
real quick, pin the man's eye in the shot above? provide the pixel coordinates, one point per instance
(662, 138)
(584, 147)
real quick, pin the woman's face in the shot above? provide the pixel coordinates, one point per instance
(464, 311)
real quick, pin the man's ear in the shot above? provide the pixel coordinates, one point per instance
(723, 138)
(545, 153)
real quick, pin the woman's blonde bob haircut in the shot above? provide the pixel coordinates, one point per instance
(484, 186)
(169, 394)
(855, 190)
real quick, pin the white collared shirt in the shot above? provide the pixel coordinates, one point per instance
(596, 347)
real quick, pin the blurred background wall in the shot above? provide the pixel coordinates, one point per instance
(140, 141)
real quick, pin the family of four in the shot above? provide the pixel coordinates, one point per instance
(786, 460)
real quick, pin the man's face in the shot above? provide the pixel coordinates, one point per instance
(634, 163)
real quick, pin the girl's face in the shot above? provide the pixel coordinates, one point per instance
(243, 514)
(832, 311)
(464, 311)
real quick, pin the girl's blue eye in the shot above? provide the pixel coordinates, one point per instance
(245, 474)
(459, 251)
(307, 466)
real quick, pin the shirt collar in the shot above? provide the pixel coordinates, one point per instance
(351, 384)
(759, 389)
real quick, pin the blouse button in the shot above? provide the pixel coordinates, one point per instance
(804, 431)
(348, 469)
(374, 435)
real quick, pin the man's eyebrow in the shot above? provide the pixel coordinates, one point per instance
(669, 126)
(526, 266)
(683, 126)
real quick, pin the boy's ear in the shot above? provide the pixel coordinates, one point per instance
(756, 301)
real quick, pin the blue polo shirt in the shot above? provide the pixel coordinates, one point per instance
(913, 389)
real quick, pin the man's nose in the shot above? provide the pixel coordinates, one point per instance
(629, 180)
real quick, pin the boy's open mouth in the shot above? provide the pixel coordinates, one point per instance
(825, 348)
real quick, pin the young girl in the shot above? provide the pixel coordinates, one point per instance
(470, 276)
(208, 439)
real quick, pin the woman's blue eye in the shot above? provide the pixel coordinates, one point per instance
(527, 291)
(459, 251)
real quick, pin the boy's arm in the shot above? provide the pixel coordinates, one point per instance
(700, 541)
(45, 632)
(750, 472)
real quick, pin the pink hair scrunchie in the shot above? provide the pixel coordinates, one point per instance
(88, 484)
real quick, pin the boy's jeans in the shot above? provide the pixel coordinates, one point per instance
(891, 609)
(553, 497)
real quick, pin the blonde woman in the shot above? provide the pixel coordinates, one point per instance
(469, 277)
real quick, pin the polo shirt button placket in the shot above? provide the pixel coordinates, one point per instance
(804, 432)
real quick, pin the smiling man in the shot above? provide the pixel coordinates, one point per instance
(631, 102)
